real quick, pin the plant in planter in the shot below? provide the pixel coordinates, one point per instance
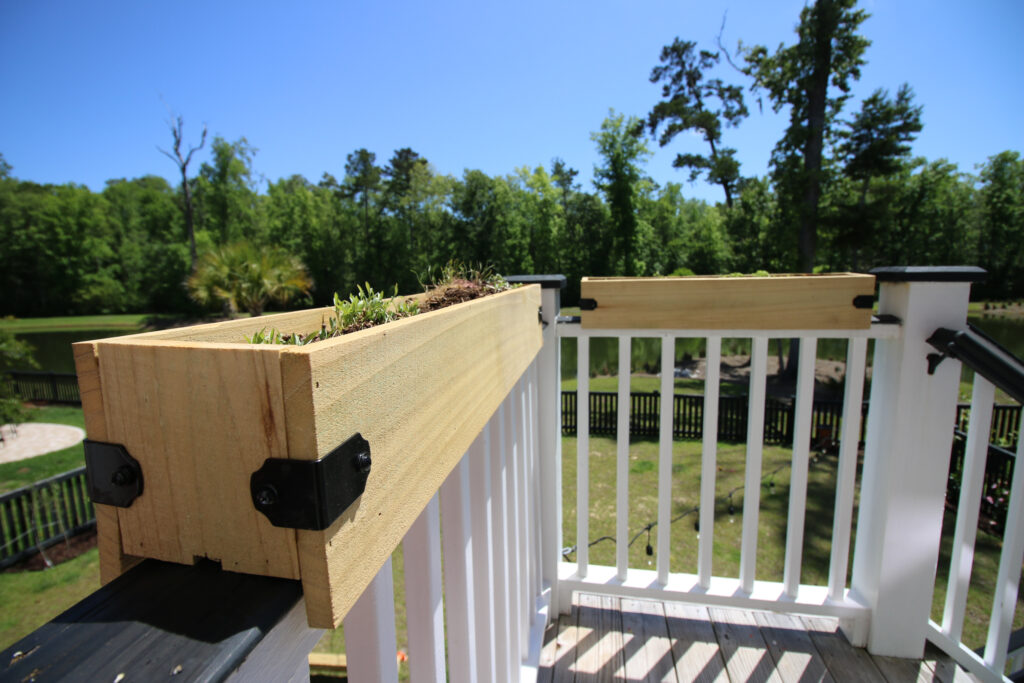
(202, 411)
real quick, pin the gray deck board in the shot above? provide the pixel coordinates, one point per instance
(614, 639)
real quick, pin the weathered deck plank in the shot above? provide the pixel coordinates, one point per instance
(599, 650)
(743, 647)
(694, 645)
(796, 658)
(648, 655)
(847, 664)
(608, 638)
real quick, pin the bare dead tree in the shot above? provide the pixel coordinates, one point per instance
(182, 161)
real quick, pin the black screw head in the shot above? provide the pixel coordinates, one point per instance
(122, 476)
(266, 496)
(362, 462)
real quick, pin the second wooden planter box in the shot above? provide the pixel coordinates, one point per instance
(201, 411)
(835, 301)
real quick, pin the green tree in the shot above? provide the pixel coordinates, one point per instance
(1001, 206)
(812, 77)
(362, 185)
(304, 219)
(147, 222)
(14, 353)
(619, 178)
(226, 192)
(241, 276)
(687, 105)
(875, 145)
(487, 226)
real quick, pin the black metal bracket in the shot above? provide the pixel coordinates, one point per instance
(312, 494)
(864, 301)
(588, 304)
(934, 359)
(112, 475)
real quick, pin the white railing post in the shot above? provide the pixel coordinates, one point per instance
(549, 422)
(906, 457)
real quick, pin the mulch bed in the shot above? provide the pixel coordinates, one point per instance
(57, 553)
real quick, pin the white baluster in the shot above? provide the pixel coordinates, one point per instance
(709, 467)
(846, 478)
(458, 573)
(798, 473)
(370, 642)
(424, 609)
(483, 563)
(667, 403)
(622, 469)
(582, 455)
(755, 450)
(971, 485)
(1007, 583)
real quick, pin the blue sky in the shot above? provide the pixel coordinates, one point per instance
(467, 84)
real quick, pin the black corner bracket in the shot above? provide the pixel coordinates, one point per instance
(588, 304)
(864, 301)
(312, 494)
(112, 475)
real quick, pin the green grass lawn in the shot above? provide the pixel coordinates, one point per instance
(127, 321)
(29, 599)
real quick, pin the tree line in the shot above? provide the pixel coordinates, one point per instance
(841, 193)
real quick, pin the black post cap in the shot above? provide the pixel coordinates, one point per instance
(929, 274)
(545, 281)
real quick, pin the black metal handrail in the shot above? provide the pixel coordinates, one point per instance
(981, 353)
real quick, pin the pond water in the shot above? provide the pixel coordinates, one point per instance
(646, 352)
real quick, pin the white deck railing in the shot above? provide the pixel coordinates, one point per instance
(501, 509)
(707, 587)
(990, 665)
(489, 607)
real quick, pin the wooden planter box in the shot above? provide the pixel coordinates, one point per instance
(201, 410)
(775, 302)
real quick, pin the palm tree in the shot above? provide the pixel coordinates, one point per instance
(245, 277)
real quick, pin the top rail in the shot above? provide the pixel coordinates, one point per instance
(982, 354)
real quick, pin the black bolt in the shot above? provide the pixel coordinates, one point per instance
(122, 476)
(266, 496)
(362, 462)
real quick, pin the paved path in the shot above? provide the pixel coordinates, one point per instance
(36, 438)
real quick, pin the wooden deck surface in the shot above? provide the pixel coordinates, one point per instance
(620, 639)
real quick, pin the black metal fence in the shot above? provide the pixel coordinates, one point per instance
(688, 417)
(38, 516)
(51, 387)
(733, 411)
(995, 495)
(1005, 423)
